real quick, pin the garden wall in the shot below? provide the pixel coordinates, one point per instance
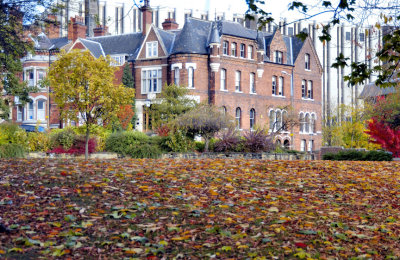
(262, 156)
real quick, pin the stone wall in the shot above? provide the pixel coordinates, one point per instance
(262, 156)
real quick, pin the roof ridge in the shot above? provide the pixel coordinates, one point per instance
(106, 36)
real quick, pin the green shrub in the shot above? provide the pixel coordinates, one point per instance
(97, 131)
(12, 133)
(12, 151)
(199, 146)
(64, 137)
(38, 142)
(124, 142)
(354, 155)
(144, 151)
(177, 141)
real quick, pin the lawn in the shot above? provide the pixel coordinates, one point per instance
(199, 209)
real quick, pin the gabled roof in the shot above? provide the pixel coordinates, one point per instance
(120, 44)
(168, 39)
(215, 34)
(94, 47)
(193, 37)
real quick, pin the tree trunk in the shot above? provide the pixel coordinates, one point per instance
(206, 142)
(87, 142)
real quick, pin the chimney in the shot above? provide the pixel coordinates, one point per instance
(76, 28)
(53, 27)
(91, 12)
(147, 17)
(100, 31)
(170, 24)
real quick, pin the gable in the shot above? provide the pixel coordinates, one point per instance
(277, 44)
(152, 37)
(308, 48)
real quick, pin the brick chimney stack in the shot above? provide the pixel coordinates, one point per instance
(53, 27)
(147, 17)
(76, 28)
(170, 24)
(100, 31)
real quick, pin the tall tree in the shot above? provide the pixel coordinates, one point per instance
(84, 86)
(13, 46)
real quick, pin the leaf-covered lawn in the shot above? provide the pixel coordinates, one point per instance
(198, 209)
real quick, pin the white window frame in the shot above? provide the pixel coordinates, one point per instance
(252, 83)
(223, 86)
(279, 57)
(307, 59)
(225, 48)
(242, 50)
(238, 118)
(310, 90)
(190, 77)
(303, 89)
(252, 118)
(117, 60)
(148, 82)
(303, 145)
(31, 110)
(176, 76)
(250, 52)
(238, 78)
(234, 49)
(274, 90)
(20, 113)
(151, 49)
(280, 87)
(42, 111)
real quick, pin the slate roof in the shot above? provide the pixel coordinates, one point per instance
(194, 37)
(120, 44)
(58, 43)
(236, 29)
(297, 44)
(168, 39)
(215, 34)
(94, 47)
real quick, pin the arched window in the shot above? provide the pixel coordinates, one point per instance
(278, 142)
(310, 90)
(278, 120)
(252, 118)
(307, 61)
(285, 120)
(286, 144)
(313, 123)
(307, 123)
(272, 120)
(301, 122)
(223, 110)
(190, 77)
(238, 118)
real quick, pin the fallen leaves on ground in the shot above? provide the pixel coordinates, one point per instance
(200, 209)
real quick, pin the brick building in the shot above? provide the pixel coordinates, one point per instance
(253, 76)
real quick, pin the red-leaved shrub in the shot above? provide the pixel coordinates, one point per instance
(384, 135)
(77, 148)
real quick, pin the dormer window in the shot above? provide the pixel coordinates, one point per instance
(307, 61)
(151, 49)
(279, 57)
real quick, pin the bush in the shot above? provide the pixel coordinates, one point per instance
(12, 133)
(122, 142)
(199, 146)
(38, 142)
(12, 151)
(77, 148)
(63, 137)
(354, 155)
(258, 141)
(144, 151)
(100, 133)
(228, 142)
(177, 141)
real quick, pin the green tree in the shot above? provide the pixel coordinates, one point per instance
(174, 101)
(129, 82)
(204, 120)
(13, 46)
(84, 86)
(349, 133)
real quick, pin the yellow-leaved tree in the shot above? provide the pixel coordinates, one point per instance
(84, 88)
